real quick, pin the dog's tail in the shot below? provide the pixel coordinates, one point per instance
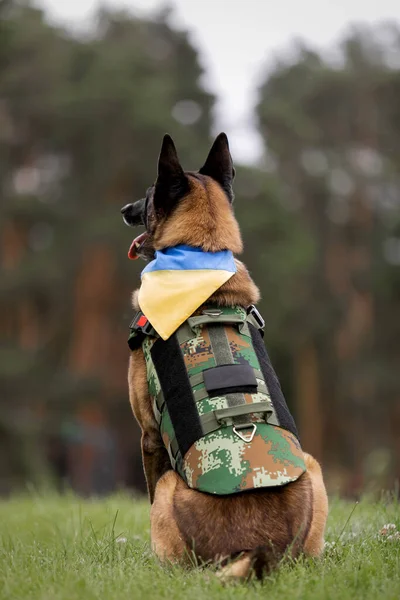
(250, 564)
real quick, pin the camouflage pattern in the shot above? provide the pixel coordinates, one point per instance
(164, 421)
(197, 352)
(152, 377)
(221, 462)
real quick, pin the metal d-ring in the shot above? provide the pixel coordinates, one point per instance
(250, 436)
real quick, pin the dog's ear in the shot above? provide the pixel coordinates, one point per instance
(219, 164)
(172, 183)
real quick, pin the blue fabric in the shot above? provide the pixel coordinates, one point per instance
(187, 258)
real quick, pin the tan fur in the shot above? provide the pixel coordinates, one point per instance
(166, 539)
(203, 219)
(314, 543)
(286, 521)
(239, 289)
(240, 522)
(265, 524)
(236, 570)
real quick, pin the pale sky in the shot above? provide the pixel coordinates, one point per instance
(237, 40)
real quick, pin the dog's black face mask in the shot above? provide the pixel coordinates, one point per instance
(171, 186)
(135, 215)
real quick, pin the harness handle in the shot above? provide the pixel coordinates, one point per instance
(213, 420)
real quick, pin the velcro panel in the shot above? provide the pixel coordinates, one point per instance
(278, 400)
(171, 370)
(225, 379)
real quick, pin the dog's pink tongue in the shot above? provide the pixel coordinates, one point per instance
(137, 242)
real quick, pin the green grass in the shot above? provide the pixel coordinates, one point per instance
(68, 548)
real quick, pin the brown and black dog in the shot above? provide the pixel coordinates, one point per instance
(259, 527)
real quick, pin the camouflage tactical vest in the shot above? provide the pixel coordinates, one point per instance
(218, 402)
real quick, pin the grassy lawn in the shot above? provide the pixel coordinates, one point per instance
(67, 548)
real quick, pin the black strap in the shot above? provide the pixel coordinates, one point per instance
(174, 380)
(223, 356)
(135, 340)
(278, 400)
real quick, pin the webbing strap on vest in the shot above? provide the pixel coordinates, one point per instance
(140, 325)
(202, 393)
(226, 416)
(223, 417)
(223, 356)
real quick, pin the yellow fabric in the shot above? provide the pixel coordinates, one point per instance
(168, 298)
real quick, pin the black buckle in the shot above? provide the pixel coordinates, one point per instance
(141, 323)
(252, 310)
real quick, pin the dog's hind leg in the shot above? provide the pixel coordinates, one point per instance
(314, 543)
(166, 539)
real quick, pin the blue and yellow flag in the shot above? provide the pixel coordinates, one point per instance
(178, 281)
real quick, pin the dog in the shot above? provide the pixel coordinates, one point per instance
(246, 529)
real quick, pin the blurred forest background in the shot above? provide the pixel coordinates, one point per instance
(81, 122)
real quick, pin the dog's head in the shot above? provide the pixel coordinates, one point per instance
(184, 207)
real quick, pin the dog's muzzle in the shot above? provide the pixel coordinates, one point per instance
(133, 213)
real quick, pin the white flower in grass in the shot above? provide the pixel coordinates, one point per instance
(389, 528)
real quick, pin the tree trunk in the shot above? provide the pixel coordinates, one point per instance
(308, 400)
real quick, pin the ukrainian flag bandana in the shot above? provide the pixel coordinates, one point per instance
(178, 281)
